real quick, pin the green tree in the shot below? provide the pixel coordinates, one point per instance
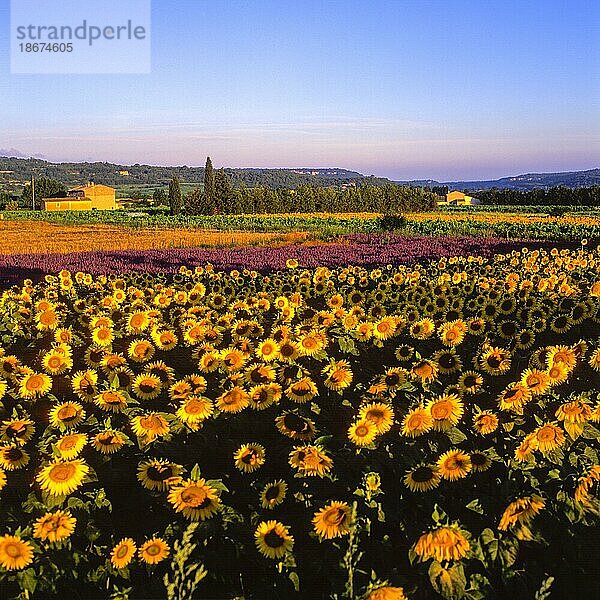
(197, 203)
(44, 188)
(209, 183)
(159, 197)
(225, 197)
(175, 199)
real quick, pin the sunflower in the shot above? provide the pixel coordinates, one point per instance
(259, 374)
(521, 511)
(302, 391)
(13, 457)
(338, 375)
(422, 478)
(470, 382)
(15, 553)
(154, 551)
(495, 361)
(453, 333)
(71, 445)
(140, 351)
(334, 520)
(233, 401)
(295, 426)
(150, 426)
(386, 592)
(158, 474)
(536, 381)
(454, 464)
(122, 554)
(448, 361)
(480, 461)
(310, 460)
(394, 378)
(108, 441)
(562, 355)
(9, 367)
(146, 386)
(137, 322)
(380, 414)
(362, 432)
(249, 457)
(446, 411)
(557, 373)
(112, 400)
(425, 371)
(194, 410)
(273, 539)
(594, 359)
(17, 431)
(103, 336)
(273, 494)
(288, 351)
(404, 353)
(268, 350)
(485, 422)
(263, 396)
(83, 384)
(310, 344)
(526, 448)
(417, 422)
(584, 483)
(62, 477)
(443, 544)
(161, 370)
(165, 339)
(384, 328)
(34, 385)
(514, 397)
(54, 527)
(67, 415)
(56, 363)
(549, 437)
(196, 499)
(575, 412)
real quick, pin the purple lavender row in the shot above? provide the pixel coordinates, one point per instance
(356, 249)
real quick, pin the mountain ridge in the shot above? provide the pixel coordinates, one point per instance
(75, 173)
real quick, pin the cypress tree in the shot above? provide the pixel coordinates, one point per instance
(225, 198)
(209, 183)
(175, 200)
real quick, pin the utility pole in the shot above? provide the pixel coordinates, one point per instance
(32, 192)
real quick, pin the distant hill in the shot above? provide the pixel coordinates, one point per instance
(15, 170)
(529, 181)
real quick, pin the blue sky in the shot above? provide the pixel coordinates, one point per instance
(447, 89)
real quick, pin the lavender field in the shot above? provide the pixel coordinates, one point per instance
(358, 249)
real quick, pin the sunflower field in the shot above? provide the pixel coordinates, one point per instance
(424, 431)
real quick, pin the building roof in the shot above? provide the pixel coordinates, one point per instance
(87, 186)
(67, 199)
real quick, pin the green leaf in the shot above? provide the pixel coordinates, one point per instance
(475, 506)
(195, 474)
(490, 544)
(544, 591)
(295, 580)
(456, 436)
(27, 580)
(509, 549)
(450, 583)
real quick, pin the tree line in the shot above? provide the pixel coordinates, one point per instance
(555, 196)
(219, 196)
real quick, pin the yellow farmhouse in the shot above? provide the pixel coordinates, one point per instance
(458, 199)
(85, 197)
